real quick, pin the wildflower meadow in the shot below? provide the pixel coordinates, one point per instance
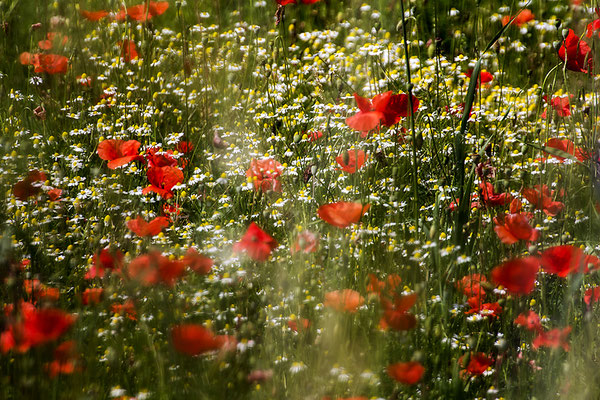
(299, 199)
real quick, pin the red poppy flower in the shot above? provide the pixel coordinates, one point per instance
(30, 186)
(578, 54)
(264, 174)
(478, 363)
(483, 309)
(119, 152)
(142, 228)
(592, 295)
(560, 104)
(128, 50)
(162, 180)
(49, 63)
(54, 194)
(307, 242)
(38, 291)
(347, 300)
(594, 25)
(105, 260)
(522, 18)
(194, 339)
(518, 275)
(65, 357)
(514, 227)
(152, 268)
(315, 135)
(285, 2)
(50, 38)
(93, 15)
(342, 213)
(492, 199)
(386, 108)
(530, 321)
(385, 288)
(42, 326)
(127, 308)
(142, 13)
(295, 324)
(197, 262)
(408, 373)
(541, 198)
(92, 296)
(553, 339)
(158, 158)
(185, 147)
(470, 285)
(562, 260)
(396, 315)
(484, 76)
(256, 243)
(351, 160)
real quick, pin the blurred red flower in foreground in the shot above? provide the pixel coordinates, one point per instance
(162, 180)
(522, 18)
(65, 359)
(194, 339)
(36, 327)
(385, 108)
(49, 63)
(30, 186)
(408, 373)
(530, 321)
(306, 242)
(104, 260)
(396, 315)
(344, 300)
(553, 338)
(128, 50)
(152, 268)
(264, 174)
(484, 76)
(576, 53)
(93, 15)
(256, 243)
(351, 160)
(518, 275)
(514, 227)
(478, 363)
(197, 262)
(342, 213)
(142, 228)
(592, 295)
(92, 296)
(119, 152)
(563, 260)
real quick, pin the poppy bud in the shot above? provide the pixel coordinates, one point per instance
(565, 33)
(297, 138)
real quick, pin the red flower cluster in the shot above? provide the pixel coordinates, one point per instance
(141, 12)
(408, 373)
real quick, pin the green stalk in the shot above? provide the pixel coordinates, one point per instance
(409, 87)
